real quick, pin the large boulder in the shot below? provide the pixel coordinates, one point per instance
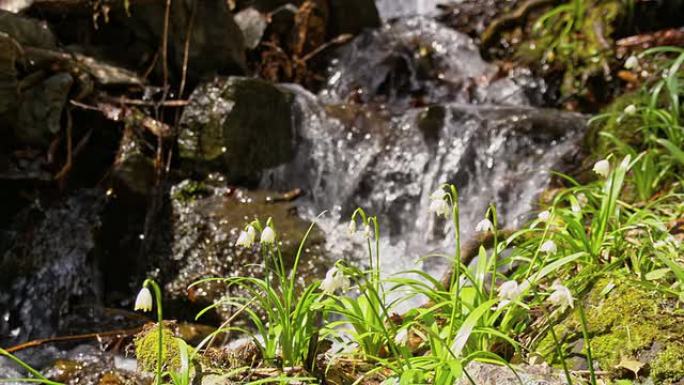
(238, 126)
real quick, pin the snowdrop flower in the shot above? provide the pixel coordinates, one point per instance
(630, 110)
(602, 167)
(631, 63)
(544, 216)
(561, 296)
(367, 232)
(144, 300)
(484, 226)
(549, 247)
(439, 204)
(509, 290)
(402, 337)
(351, 228)
(268, 236)
(246, 237)
(575, 206)
(334, 279)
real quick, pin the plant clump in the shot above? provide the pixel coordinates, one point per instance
(146, 349)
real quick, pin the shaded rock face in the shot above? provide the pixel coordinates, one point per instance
(205, 220)
(237, 126)
(50, 266)
(630, 327)
(216, 43)
(352, 16)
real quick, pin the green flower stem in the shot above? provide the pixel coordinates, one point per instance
(561, 357)
(585, 334)
(160, 326)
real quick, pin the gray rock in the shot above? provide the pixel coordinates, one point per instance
(239, 126)
(488, 374)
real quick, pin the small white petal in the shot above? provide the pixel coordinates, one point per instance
(351, 228)
(438, 194)
(243, 240)
(334, 280)
(268, 236)
(402, 337)
(561, 296)
(549, 247)
(144, 300)
(440, 207)
(367, 233)
(631, 63)
(602, 167)
(630, 110)
(544, 216)
(509, 290)
(484, 225)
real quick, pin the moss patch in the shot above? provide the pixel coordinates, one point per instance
(627, 322)
(146, 349)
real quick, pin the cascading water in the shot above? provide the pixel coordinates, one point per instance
(476, 131)
(391, 9)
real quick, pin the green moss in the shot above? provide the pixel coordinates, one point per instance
(577, 44)
(146, 350)
(625, 322)
(668, 366)
(189, 190)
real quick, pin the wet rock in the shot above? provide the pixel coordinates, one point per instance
(413, 61)
(133, 172)
(352, 16)
(27, 31)
(206, 219)
(631, 326)
(40, 110)
(86, 365)
(239, 126)
(50, 265)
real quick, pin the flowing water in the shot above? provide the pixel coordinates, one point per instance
(384, 154)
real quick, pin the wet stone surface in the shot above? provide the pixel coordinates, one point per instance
(206, 218)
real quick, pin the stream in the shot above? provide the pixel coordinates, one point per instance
(405, 108)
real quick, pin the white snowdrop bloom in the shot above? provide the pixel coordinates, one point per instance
(246, 237)
(440, 207)
(549, 247)
(561, 296)
(630, 110)
(351, 228)
(544, 216)
(631, 63)
(334, 279)
(484, 226)
(509, 290)
(268, 236)
(144, 300)
(438, 194)
(367, 233)
(402, 337)
(602, 167)
(575, 207)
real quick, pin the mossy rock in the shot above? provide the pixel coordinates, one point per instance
(626, 322)
(146, 349)
(238, 126)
